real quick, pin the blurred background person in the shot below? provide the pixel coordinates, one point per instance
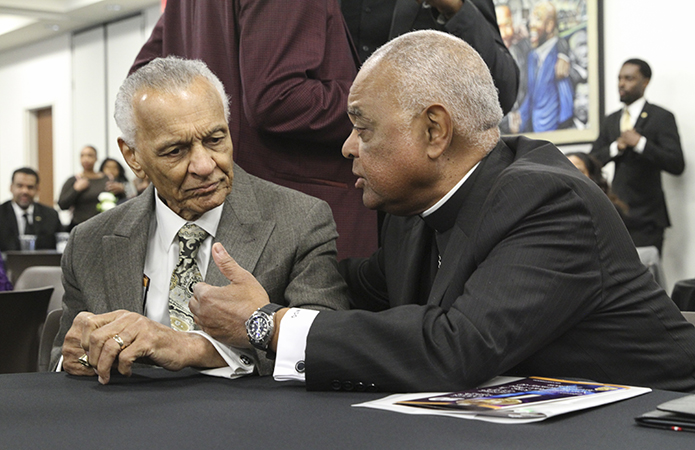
(591, 167)
(80, 193)
(23, 215)
(5, 284)
(118, 184)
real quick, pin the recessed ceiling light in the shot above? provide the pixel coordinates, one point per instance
(113, 7)
(52, 26)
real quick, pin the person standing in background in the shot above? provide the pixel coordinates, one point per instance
(81, 192)
(642, 139)
(288, 66)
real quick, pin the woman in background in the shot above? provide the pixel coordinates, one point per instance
(118, 183)
(589, 166)
(81, 192)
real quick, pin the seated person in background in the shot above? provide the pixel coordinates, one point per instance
(5, 284)
(118, 183)
(589, 166)
(23, 215)
(119, 267)
(497, 257)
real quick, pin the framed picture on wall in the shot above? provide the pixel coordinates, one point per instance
(556, 45)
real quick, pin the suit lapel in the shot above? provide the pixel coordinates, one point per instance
(457, 262)
(126, 247)
(643, 117)
(242, 230)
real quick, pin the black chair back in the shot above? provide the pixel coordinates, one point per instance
(22, 313)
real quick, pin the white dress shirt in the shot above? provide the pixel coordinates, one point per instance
(635, 109)
(162, 257)
(295, 325)
(19, 216)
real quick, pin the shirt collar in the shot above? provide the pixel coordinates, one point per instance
(19, 212)
(169, 223)
(636, 107)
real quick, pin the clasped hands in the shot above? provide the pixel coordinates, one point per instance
(627, 139)
(219, 311)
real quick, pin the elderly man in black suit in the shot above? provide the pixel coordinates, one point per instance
(497, 256)
(23, 215)
(642, 139)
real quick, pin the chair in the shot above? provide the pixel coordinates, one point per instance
(48, 334)
(23, 313)
(40, 276)
(683, 294)
(689, 316)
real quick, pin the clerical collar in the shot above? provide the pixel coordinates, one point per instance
(442, 216)
(169, 223)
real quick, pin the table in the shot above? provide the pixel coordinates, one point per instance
(157, 409)
(18, 260)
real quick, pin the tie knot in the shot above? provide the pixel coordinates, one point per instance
(190, 238)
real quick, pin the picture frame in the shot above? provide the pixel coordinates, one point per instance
(557, 45)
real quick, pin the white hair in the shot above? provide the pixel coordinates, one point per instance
(433, 67)
(166, 75)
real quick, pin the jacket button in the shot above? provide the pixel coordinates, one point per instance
(360, 387)
(371, 387)
(335, 385)
(347, 385)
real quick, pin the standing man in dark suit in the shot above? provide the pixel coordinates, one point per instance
(288, 65)
(125, 297)
(497, 257)
(373, 22)
(23, 215)
(642, 139)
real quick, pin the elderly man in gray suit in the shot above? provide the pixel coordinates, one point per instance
(127, 276)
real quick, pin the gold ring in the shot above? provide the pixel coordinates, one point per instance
(84, 360)
(120, 342)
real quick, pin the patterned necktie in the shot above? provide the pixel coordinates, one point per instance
(185, 275)
(625, 122)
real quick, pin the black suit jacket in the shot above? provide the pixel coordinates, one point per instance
(637, 179)
(46, 225)
(539, 278)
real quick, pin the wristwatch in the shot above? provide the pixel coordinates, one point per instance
(261, 326)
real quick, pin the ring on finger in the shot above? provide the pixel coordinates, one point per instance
(84, 360)
(120, 342)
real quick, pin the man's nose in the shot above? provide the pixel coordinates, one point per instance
(350, 146)
(201, 162)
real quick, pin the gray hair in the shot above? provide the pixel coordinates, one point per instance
(433, 67)
(167, 75)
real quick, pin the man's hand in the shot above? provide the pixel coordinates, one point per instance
(447, 8)
(628, 138)
(562, 69)
(142, 338)
(222, 311)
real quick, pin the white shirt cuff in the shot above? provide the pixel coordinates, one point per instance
(239, 362)
(613, 149)
(294, 329)
(639, 148)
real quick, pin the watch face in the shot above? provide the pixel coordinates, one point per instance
(258, 328)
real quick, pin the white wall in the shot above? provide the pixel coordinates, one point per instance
(661, 45)
(75, 75)
(42, 74)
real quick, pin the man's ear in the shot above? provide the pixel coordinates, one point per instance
(131, 158)
(440, 130)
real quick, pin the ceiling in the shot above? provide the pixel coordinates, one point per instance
(25, 21)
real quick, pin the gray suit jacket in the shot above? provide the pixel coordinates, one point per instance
(286, 239)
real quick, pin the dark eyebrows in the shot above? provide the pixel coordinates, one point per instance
(356, 113)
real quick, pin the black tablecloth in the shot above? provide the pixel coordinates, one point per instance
(156, 409)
